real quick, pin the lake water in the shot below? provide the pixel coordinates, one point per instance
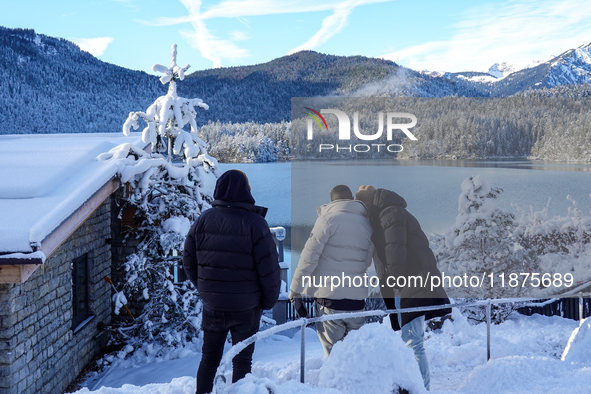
(292, 191)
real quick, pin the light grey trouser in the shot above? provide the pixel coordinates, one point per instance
(332, 331)
(412, 334)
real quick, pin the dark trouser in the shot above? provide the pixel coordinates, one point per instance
(216, 325)
(389, 299)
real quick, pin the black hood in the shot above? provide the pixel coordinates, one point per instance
(233, 186)
(386, 198)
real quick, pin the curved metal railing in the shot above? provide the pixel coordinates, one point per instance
(219, 386)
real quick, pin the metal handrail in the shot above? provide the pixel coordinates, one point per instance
(219, 380)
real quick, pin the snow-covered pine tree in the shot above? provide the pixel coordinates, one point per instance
(481, 242)
(167, 193)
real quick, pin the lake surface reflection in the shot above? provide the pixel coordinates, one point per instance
(292, 191)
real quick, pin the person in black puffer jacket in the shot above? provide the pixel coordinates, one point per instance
(230, 257)
(402, 250)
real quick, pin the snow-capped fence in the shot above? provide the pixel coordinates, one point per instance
(569, 308)
(220, 381)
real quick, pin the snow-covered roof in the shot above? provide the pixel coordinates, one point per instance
(48, 177)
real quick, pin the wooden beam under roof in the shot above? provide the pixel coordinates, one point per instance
(16, 273)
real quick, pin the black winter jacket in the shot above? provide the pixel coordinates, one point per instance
(230, 255)
(403, 250)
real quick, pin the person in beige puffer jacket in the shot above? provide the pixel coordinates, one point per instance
(333, 265)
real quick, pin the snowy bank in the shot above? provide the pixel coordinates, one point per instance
(526, 352)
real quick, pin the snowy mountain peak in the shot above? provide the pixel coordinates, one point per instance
(572, 67)
(501, 70)
(535, 63)
(583, 53)
(434, 74)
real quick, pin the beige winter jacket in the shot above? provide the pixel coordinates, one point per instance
(339, 248)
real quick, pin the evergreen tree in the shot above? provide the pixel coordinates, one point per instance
(167, 195)
(481, 242)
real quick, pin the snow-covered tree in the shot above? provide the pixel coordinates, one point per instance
(481, 241)
(167, 195)
(481, 231)
(167, 116)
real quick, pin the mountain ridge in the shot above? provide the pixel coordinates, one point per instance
(571, 67)
(50, 85)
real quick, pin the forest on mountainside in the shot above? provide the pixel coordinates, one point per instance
(49, 85)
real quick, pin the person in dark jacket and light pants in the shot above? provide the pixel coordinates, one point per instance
(230, 257)
(402, 250)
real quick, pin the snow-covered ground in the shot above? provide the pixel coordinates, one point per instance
(526, 358)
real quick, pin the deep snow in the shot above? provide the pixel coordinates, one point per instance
(46, 178)
(526, 358)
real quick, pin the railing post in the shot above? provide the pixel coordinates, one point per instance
(303, 350)
(219, 380)
(580, 306)
(282, 305)
(279, 233)
(488, 330)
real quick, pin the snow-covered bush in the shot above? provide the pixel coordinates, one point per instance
(167, 196)
(481, 231)
(498, 312)
(486, 241)
(481, 242)
(560, 234)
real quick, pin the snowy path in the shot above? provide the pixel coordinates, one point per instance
(525, 359)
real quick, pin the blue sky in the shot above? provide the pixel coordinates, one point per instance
(446, 35)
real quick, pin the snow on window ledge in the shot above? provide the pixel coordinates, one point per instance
(83, 324)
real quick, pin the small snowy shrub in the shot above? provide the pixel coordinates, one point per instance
(481, 242)
(498, 312)
(481, 231)
(561, 234)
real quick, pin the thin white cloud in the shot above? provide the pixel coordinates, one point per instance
(216, 49)
(95, 46)
(210, 46)
(515, 32)
(331, 25)
(133, 4)
(238, 35)
(241, 8)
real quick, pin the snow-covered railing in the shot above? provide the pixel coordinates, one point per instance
(219, 381)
